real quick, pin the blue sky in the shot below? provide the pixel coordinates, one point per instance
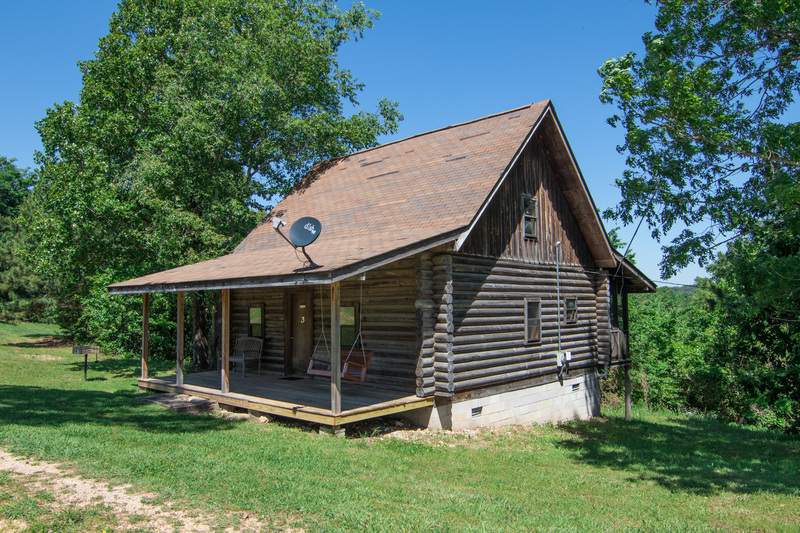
(444, 61)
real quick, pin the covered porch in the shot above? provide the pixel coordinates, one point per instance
(330, 401)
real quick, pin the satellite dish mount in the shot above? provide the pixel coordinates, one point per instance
(302, 233)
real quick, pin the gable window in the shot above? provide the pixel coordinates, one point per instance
(570, 310)
(531, 222)
(254, 327)
(533, 321)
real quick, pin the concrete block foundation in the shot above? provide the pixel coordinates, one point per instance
(568, 399)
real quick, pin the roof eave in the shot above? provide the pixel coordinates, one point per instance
(295, 278)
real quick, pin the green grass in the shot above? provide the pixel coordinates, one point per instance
(660, 472)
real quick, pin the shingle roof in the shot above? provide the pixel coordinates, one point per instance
(391, 201)
(381, 202)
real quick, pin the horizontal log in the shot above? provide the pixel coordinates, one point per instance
(424, 285)
(443, 338)
(474, 369)
(427, 381)
(548, 343)
(424, 313)
(424, 392)
(424, 303)
(442, 259)
(442, 299)
(533, 361)
(500, 379)
(443, 327)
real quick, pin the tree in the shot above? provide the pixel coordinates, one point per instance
(192, 116)
(20, 289)
(708, 118)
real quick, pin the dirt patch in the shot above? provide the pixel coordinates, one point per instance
(42, 357)
(132, 509)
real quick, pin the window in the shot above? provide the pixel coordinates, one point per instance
(533, 321)
(347, 325)
(570, 310)
(531, 206)
(254, 329)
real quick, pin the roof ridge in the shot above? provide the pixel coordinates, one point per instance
(444, 128)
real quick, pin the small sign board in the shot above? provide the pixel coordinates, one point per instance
(81, 350)
(305, 231)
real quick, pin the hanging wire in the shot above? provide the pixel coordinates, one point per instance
(322, 321)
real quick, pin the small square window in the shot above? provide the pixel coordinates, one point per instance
(254, 329)
(531, 218)
(347, 325)
(571, 310)
(533, 321)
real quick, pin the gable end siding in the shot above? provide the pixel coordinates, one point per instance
(500, 233)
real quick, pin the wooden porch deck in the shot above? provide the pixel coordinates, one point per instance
(300, 398)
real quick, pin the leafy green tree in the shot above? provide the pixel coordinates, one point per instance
(671, 336)
(711, 136)
(192, 116)
(21, 292)
(753, 293)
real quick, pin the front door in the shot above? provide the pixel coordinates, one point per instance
(301, 332)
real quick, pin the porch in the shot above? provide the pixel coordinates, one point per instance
(296, 397)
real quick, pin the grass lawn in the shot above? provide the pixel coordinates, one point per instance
(660, 472)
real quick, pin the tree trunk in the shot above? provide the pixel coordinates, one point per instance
(200, 351)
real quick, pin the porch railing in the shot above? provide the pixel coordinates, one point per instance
(619, 346)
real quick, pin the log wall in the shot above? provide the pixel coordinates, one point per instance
(271, 300)
(479, 338)
(500, 231)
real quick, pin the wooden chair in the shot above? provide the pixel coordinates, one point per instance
(354, 366)
(247, 348)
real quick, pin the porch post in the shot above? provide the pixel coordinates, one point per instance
(625, 316)
(627, 354)
(225, 387)
(179, 364)
(145, 334)
(336, 352)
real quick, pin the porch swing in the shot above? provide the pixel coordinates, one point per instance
(355, 364)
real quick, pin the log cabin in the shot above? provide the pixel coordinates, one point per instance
(470, 263)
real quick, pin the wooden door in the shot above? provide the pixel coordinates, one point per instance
(300, 317)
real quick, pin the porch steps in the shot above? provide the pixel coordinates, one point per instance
(181, 403)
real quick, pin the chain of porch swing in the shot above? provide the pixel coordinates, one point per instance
(359, 339)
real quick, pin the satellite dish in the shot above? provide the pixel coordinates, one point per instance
(305, 231)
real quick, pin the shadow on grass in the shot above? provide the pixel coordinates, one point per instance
(691, 455)
(119, 367)
(39, 406)
(53, 341)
